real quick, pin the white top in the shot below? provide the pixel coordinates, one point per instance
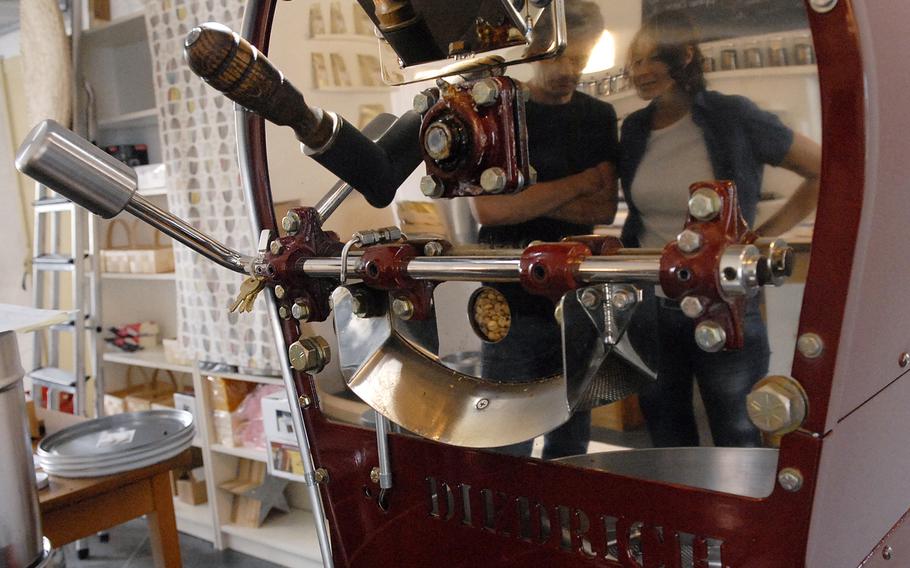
(676, 157)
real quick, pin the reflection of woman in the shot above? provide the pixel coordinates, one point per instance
(689, 134)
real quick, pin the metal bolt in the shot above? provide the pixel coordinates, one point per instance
(887, 553)
(710, 336)
(692, 306)
(493, 180)
(321, 475)
(433, 248)
(904, 359)
(777, 404)
(791, 479)
(360, 304)
(423, 102)
(589, 298)
(438, 141)
(810, 345)
(291, 223)
(430, 186)
(823, 6)
(557, 313)
(300, 310)
(704, 204)
(403, 308)
(688, 241)
(304, 401)
(280, 292)
(276, 247)
(310, 354)
(623, 299)
(532, 175)
(284, 313)
(485, 92)
(374, 475)
(482, 403)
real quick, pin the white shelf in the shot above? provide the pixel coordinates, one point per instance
(151, 358)
(244, 377)
(160, 276)
(195, 520)
(240, 452)
(139, 118)
(286, 538)
(370, 39)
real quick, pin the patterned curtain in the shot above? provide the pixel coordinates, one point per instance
(199, 147)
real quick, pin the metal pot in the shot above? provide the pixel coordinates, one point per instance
(20, 524)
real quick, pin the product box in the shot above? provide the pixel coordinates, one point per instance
(276, 419)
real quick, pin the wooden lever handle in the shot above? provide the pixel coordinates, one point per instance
(231, 65)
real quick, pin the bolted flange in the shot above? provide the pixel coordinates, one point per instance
(310, 354)
(704, 204)
(710, 336)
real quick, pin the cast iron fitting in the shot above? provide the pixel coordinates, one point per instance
(704, 204)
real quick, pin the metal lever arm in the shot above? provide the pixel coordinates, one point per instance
(231, 65)
(73, 167)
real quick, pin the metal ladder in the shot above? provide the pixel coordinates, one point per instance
(49, 262)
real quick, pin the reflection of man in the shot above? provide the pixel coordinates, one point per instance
(573, 146)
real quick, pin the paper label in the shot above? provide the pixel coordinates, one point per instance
(118, 438)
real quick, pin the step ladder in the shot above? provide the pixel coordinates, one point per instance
(50, 380)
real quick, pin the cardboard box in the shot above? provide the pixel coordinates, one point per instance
(191, 487)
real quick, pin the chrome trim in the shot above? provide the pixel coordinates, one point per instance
(336, 129)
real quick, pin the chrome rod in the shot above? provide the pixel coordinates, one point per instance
(599, 269)
(181, 231)
(382, 446)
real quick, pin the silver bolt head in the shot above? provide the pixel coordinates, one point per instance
(485, 92)
(280, 292)
(283, 313)
(430, 186)
(692, 306)
(770, 408)
(791, 479)
(688, 241)
(438, 141)
(904, 359)
(710, 336)
(704, 204)
(433, 248)
(309, 354)
(589, 298)
(291, 223)
(300, 311)
(275, 247)
(403, 308)
(623, 300)
(493, 180)
(422, 103)
(810, 345)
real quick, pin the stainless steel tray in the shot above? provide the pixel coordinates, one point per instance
(750, 472)
(119, 435)
(69, 462)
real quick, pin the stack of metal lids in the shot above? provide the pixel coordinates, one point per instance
(118, 443)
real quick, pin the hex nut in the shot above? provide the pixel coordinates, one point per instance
(284, 313)
(423, 102)
(791, 479)
(589, 298)
(403, 308)
(810, 345)
(280, 292)
(310, 354)
(710, 336)
(623, 300)
(704, 204)
(300, 310)
(485, 92)
(688, 241)
(777, 405)
(430, 186)
(692, 306)
(493, 180)
(275, 247)
(291, 223)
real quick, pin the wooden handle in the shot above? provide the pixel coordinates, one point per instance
(231, 65)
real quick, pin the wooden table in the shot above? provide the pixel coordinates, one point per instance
(78, 508)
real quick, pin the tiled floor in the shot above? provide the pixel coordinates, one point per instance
(128, 547)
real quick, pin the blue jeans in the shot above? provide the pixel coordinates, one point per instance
(724, 379)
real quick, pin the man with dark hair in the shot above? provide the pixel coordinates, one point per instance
(572, 139)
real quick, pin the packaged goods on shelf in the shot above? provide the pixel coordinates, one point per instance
(151, 176)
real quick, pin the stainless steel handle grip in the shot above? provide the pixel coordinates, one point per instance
(76, 169)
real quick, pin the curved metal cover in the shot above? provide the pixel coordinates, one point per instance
(749, 472)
